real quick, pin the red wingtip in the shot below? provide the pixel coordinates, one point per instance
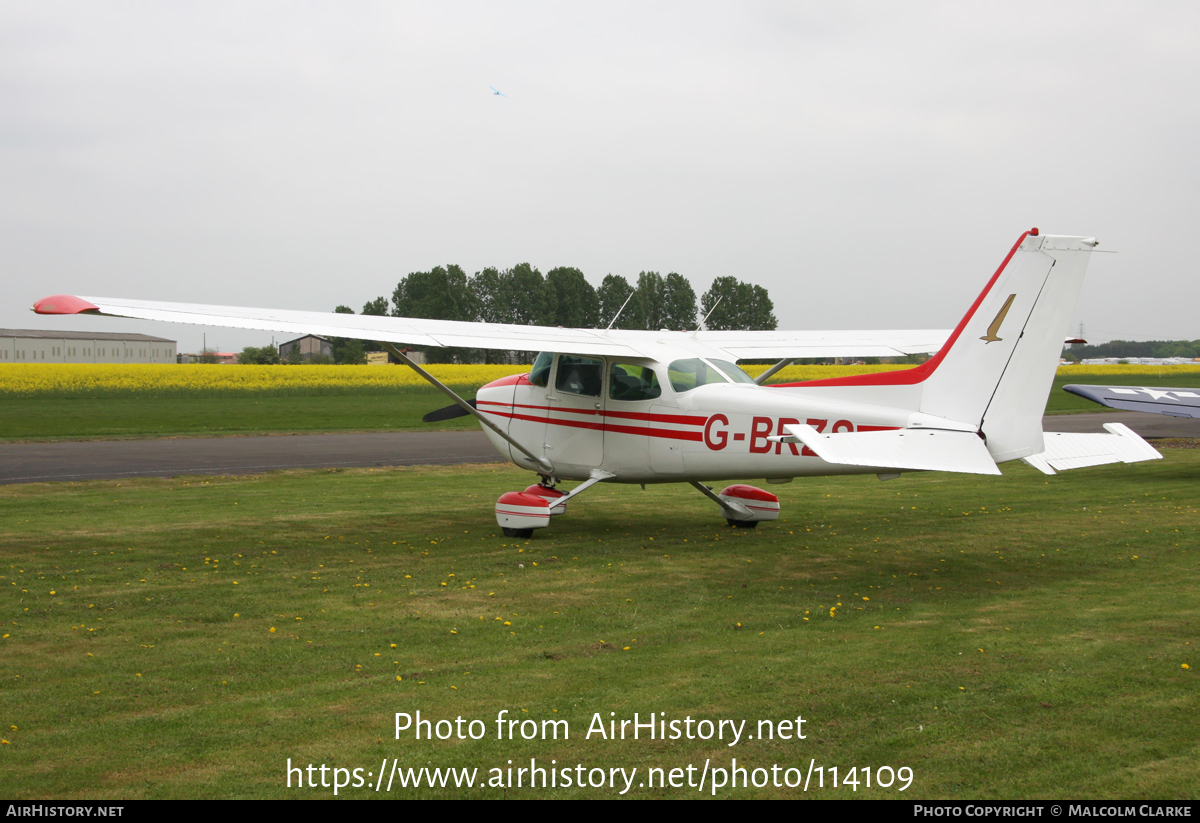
(63, 304)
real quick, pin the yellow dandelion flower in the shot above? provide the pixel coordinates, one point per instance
(272, 630)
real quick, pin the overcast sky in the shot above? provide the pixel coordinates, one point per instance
(869, 163)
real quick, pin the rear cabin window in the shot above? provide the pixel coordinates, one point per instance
(579, 375)
(627, 382)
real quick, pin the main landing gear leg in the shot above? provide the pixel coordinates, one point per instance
(744, 506)
(519, 513)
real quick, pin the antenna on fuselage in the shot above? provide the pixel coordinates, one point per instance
(623, 305)
(710, 311)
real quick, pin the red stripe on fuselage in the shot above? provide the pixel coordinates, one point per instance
(678, 419)
(669, 434)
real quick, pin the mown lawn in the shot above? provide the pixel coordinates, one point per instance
(1008, 637)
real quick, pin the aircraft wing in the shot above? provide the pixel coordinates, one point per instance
(412, 331)
(1173, 402)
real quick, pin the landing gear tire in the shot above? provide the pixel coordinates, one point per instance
(742, 524)
(524, 534)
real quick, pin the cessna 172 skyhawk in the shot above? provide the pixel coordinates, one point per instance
(659, 407)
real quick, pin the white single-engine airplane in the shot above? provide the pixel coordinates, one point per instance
(665, 407)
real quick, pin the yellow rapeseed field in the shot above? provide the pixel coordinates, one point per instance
(87, 380)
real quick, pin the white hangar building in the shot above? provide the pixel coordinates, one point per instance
(37, 346)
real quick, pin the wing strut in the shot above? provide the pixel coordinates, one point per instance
(541, 462)
(782, 364)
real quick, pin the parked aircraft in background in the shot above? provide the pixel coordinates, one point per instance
(1173, 402)
(664, 407)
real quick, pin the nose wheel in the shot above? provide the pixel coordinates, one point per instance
(742, 524)
(518, 514)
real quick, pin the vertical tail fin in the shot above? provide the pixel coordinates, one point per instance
(996, 368)
(1012, 421)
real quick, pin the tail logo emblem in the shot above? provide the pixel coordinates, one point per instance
(991, 337)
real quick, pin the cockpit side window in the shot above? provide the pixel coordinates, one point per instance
(686, 375)
(630, 383)
(540, 376)
(579, 375)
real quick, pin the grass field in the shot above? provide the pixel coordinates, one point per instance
(60, 402)
(1008, 637)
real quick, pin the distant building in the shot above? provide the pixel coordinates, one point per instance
(226, 358)
(37, 346)
(308, 347)
(382, 358)
(1138, 361)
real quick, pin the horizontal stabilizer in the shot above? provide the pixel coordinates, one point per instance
(1075, 451)
(905, 449)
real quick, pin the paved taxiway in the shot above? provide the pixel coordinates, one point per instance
(116, 459)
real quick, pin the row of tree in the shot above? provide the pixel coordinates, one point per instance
(562, 297)
(1135, 348)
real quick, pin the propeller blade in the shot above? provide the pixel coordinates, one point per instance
(448, 413)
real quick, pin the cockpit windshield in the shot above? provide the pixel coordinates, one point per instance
(686, 375)
(540, 375)
(733, 370)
